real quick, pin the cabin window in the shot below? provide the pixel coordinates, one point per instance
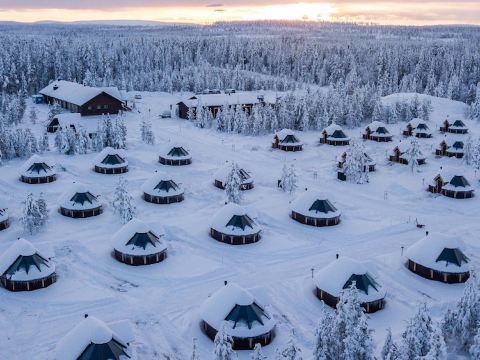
(89, 108)
(105, 106)
(99, 107)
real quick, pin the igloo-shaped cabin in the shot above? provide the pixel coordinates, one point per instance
(93, 339)
(439, 257)
(37, 171)
(418, 128)
(79, 202)
(451, 185)
(222, 174)
(340, 274)
(377, 131)
(23, 268)
(454, 127)
(137, 244)
(111, 161)
(399, 154)
(175, 156)
(160, 189)
(4, 220)
(313, 208)
(246, 320)
(334, 135)
(232, 225)
(286, 140)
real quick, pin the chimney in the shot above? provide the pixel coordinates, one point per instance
(225, 282)
(337, 256)
(426, 233)
(86, 315)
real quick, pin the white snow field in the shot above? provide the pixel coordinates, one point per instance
(163, 300)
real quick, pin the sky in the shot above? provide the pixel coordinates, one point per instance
(405, 12)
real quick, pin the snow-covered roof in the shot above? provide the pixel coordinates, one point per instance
(416, 121)
(378, 128)
(176, 152)
(161, 185)
(337, 276)
(315, 205)
(22, 262)
(111, 158)
(419, 126)
(36, 167)
(222, 174)
(429, 252)
(342, 157)
(3, 214)
(335, 132)
(288, 137)
(458, 124)
(237, 98)
(456, 182)
(78, 197)
(403, 146)
(75, 93)
(233, 219)
(93, 331)
(218, 308)
(134, 235)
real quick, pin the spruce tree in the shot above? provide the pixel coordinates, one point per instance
(35, 213)
(324, 344)
(416, 337)
(233, 183)
(123, 203)
(257, 353)
(195, 355)
(291, 350)
(223, 345)
(475, 348)
(289, 179)
(438, 349)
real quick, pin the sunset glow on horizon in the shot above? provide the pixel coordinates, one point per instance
(187, 11)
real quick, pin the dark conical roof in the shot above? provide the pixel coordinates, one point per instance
(243, 174)
(290, 139)
(458, 123)
(39, 167)
(382, 130)
(166, 185)
(338, 134)
(111, 350)
(178, 151)
(459, 181)
(113, 159)
(246, 314)
(422, 126)
(81, 198)
(454, 256)
(458, 145)
(25, 263)
(362, 282)
(143, 239)
(240, 221)
(323, 206)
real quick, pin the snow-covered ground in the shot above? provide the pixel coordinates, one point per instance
(163, 300)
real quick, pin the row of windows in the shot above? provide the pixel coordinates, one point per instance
(99, 107)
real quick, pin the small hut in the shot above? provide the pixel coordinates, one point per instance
(377, 131)
(137, 244)
(4, 220)
(176, 156)
(341, 274)
(287, 141)
(23, 268)
(451, 185)
(79, 202)
(399, 155)
(370, 162)
(36, 171)
(334, 135)
(418, 128)
(93, 339)
(233, 226)
(439, 257)
(222, 174)
(313, 208)
(160, 189)
(455, 127)
(111, 161)
(456, 149)
(442, 148)
(245, 317)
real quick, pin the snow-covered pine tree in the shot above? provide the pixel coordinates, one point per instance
(468, 151)
(289, 179)
(191, 114)
(223, 345)
(44, 142)
(475, 348)
(147, 134)
(413, 153)
(123, 203)
(195, 355)
(258, 353)
(438, 348)
(232, 184)
(35, 213)
(323, 346)
(53, 110)
(390, 348)
(32, 115)
(416, 337)
(355, 166)
(291, 350)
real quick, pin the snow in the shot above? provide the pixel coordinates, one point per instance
(164, 154)
(135, 226)
(77, 188)
(225, 214)
(88, 123)
(36, 159)
(222, 174)
(404, 146)
(149, 186)
(303, 203)
(3, 214)
(76, 93)
(110, 151)
(237, 98)
(330, 129)
(374, 125)
(217, 307)
(22, 247)
(333, 277)
(89, 330)
(426, 251)
(282, 134)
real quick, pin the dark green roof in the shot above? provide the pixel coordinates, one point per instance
(290, 139)
(81, 198)
(362, 282)
(458, 123)
(113, 159)
(338, 134)
(323, 206)
(166, 185)
(422, 126)
(459, 181)
(246, 314)
(178, 152)
(143, 239)
(39, 167)
(382, 130)
(112, 350)
(458, 145)
(454, 256)
(241, 221)
(25, 263)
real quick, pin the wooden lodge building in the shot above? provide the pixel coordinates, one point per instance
(340, 274)
(455, 150)
(454, 186)
(455, 127)
(85, 100)
(439, 257)
(418, 128)
(243, 316)
(314, 209)
(377, 131)
(398, 155)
